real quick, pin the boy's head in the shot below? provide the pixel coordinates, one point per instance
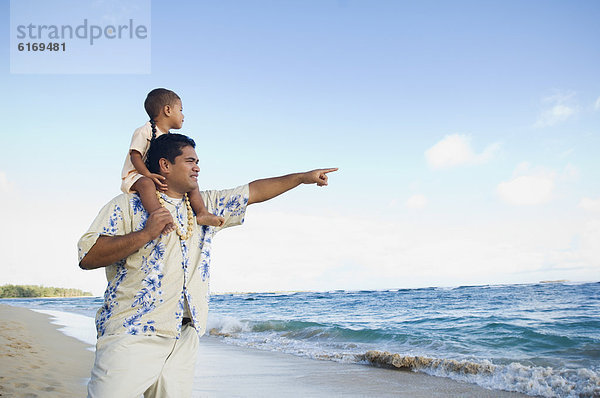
(157, 99)
(167, 146)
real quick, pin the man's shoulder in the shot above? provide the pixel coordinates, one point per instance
(241, 189)
(127, 207)
(125, 200)
(220, 198)
(234, 189)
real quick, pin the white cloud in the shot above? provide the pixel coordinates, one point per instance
(352, 252)
(566, 153)
(308, 251)
(531, 185)
(558, 108)
(5, 185)
(417, 201)
(590, 204)
(597, 104)
(522, 168)
(589, 250)
(570, 173)
(39, 238)
(455, 150)
(532, 188)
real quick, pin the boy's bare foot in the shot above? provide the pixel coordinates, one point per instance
(210, 219)
(170, 227)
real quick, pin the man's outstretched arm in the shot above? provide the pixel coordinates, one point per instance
(268, 188)
(109, 249)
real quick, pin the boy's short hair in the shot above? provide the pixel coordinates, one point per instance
(157, 99)
(166, 146)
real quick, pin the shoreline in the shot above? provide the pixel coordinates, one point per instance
(225, 370)
(40, 360)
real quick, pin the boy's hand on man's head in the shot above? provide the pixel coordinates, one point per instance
(318, 176)
(159, 181)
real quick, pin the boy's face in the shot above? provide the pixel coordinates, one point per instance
(175, 113)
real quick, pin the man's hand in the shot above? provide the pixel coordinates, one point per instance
(159, 181)
(157, 221)
(318, 176)
(109, 249)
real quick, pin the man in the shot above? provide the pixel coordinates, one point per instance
(156, 302)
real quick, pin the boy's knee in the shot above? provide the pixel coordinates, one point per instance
(143, 183)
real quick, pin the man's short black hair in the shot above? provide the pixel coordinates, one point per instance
(166, 146)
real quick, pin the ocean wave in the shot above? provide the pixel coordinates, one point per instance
(226, 326)
(326, 342)
(397, 361)
(531, 380)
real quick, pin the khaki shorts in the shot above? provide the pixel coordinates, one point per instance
(129, 180)
(128, 366)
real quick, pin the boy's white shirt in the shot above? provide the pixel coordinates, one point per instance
(140, 142)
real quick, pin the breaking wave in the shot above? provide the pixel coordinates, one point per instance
(531, 380)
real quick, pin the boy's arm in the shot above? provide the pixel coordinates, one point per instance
(268, 188)
(138, 162)
(109, 249)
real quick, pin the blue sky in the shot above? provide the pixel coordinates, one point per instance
(466, 133)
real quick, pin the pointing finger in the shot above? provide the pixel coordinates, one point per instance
(329, 170)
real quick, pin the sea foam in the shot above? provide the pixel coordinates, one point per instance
(78, 326)
(538, 381)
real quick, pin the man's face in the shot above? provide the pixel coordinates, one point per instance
(183, 176)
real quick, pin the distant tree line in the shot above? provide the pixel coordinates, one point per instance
(12, 291)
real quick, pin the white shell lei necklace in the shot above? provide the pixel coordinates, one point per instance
(190, 216)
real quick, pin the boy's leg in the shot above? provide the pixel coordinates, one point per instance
(177, 376)
(203, 216)
(147, 190)
(125, 365)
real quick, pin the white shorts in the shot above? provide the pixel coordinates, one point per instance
(128, 366)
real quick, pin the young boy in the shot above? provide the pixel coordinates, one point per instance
(165, 111)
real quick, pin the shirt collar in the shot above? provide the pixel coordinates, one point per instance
(170, 200)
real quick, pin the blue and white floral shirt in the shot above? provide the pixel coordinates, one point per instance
(147, 291)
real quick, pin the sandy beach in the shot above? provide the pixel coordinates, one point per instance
(37, 360)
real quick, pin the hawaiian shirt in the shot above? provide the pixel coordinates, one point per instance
(148, 290)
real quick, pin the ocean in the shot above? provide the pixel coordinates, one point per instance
(538, 339)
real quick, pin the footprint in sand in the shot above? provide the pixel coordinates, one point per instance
(51, 382)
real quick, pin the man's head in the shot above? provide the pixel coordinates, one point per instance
(167, 146)
(173, 156)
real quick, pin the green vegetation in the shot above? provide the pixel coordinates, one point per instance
(12, 291)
